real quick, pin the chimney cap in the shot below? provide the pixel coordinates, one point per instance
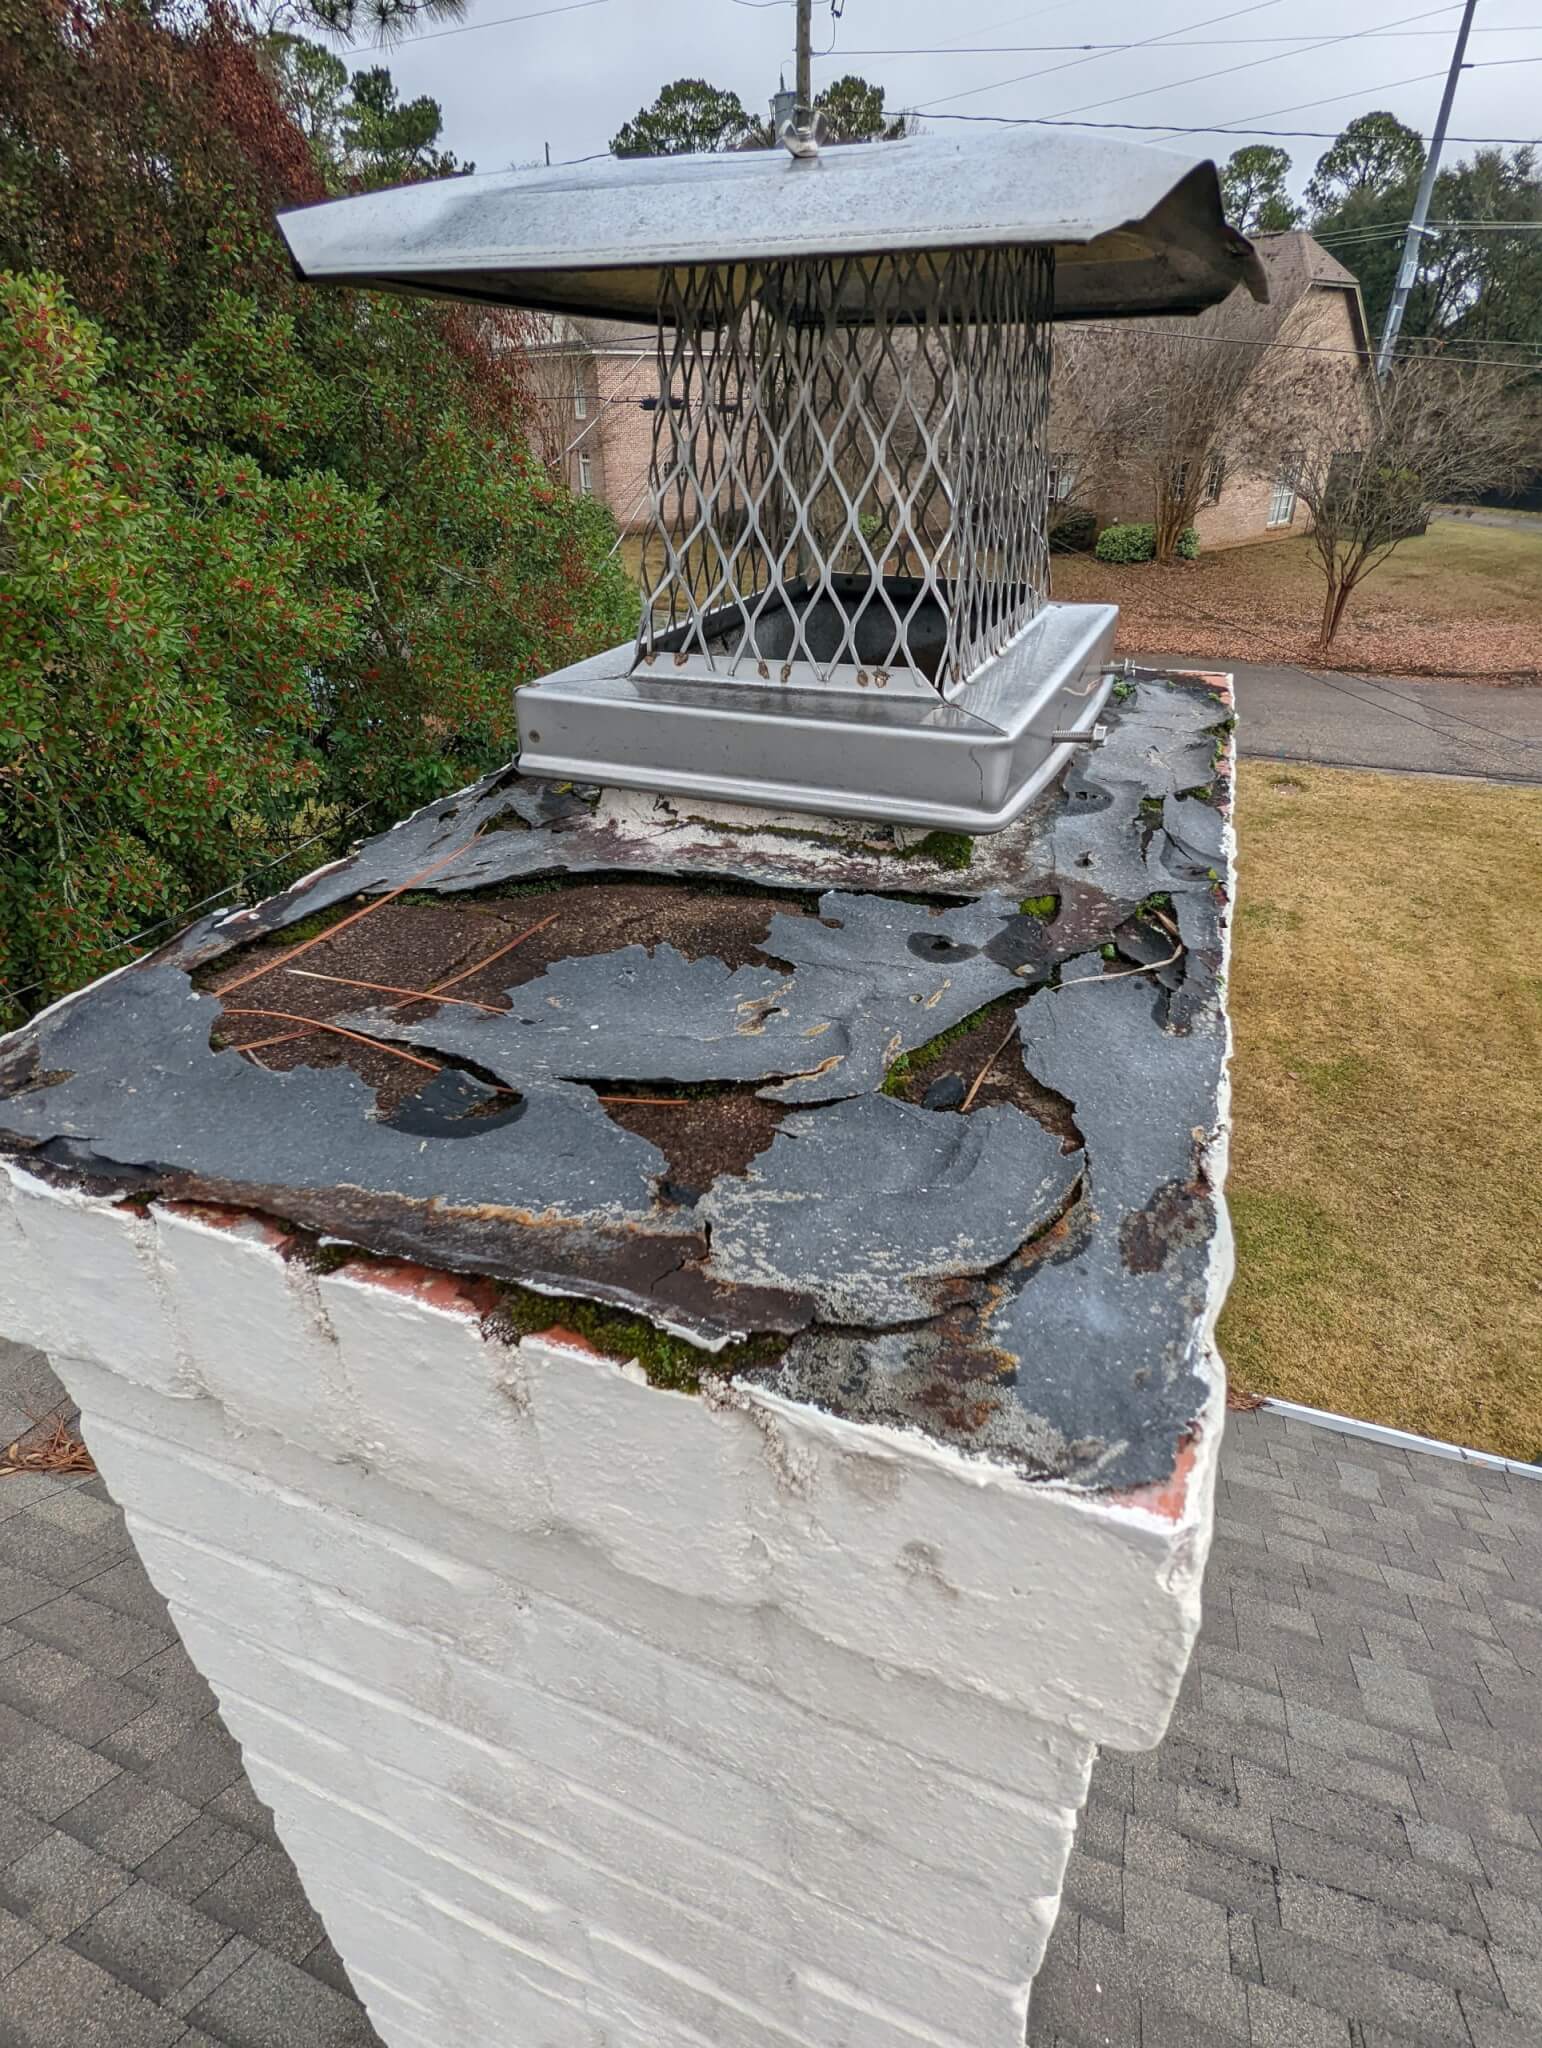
(1137, 231)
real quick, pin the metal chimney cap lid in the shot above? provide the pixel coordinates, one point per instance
(1137, 231)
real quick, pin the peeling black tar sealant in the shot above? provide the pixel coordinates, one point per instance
(955, 1270)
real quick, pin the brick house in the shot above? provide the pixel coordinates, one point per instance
(597, 396)
(595, 384)
(1323, 312)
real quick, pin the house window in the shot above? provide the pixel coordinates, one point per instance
(586, 475)
(1282, 499)
(1178, 480)
(1062, 478)
(1215, 480)
(580, 404)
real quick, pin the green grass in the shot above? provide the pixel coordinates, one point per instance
(1483, 571)
(1454, 568)
(1386, 1183)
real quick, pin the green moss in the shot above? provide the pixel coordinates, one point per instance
(1160, 901)
(943, 849)
(1123, 690)
(1040, 906)
(668, 1361)
(909, 1064)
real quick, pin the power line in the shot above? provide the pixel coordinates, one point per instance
(1332, 99)
(1371, 234)
(1045, 71)
(1166, 128)
(1251, 64)
(1201, 43)
(1407, 354)
(470, 28)
(1386, 85)
(1328, 100)
(618, 397)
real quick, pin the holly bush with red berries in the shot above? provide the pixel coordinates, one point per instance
(273, 561)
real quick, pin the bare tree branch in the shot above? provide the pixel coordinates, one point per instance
(1371, 460)
(1170, 404)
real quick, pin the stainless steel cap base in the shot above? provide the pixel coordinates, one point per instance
(970, 765)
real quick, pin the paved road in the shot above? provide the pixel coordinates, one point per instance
(1291, 714)
(1491, 515)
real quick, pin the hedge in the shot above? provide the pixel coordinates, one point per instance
(1136, 542)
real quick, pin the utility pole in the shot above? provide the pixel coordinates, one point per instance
(805, 83)
(1409, 269)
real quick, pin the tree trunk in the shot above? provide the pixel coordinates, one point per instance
(1340, 590)
(1168, 528)
(1330, 613)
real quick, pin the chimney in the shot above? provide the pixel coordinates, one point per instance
(675, 1399)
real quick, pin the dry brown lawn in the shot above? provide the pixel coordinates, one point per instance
(1463, 601)
(1387, 1166)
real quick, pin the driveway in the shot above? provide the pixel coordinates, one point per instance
(1349, 721)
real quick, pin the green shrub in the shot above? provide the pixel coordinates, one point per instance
(1126, 543)
(273, 561)
(1136, 542)
(168, 610)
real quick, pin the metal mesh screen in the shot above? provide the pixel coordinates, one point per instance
(849, 466)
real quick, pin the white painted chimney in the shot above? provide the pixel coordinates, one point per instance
(753, 1709)
(592, 1713)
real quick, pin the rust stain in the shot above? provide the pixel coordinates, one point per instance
(559, 1333)
(1167, 1497)
(429, 1284)
(1149, 1236)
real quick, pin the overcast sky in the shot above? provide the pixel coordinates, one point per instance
(570, 78)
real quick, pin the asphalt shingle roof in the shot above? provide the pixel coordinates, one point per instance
(1337, 1846)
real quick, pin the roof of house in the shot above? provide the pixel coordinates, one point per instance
(569, 334)
(1338, 1833)
(1296, 261)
